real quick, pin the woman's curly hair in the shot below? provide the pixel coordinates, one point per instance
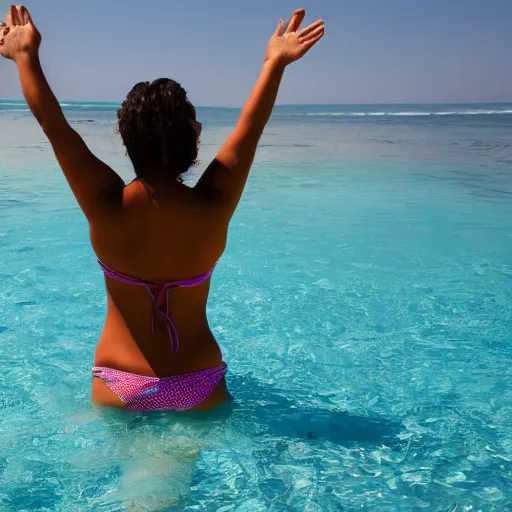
(158, 126)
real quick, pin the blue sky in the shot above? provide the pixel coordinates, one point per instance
(374, 51)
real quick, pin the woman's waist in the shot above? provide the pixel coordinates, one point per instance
(151, 353)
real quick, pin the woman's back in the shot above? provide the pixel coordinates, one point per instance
(161, 235)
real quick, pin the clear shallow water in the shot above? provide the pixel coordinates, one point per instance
(364, 306)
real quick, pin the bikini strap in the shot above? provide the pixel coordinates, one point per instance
(159, 293)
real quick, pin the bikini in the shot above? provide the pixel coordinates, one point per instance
(179, 392)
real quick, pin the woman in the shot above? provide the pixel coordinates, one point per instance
(156, 239)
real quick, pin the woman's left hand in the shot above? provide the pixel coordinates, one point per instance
(18, 34)
(288, 46)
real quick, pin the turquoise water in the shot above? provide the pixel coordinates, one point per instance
(364, 305)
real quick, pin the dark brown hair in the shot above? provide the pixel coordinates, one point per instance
(158, 126)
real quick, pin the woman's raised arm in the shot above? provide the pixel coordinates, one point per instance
(97, 188)
(226, 176)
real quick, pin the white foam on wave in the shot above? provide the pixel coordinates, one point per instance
(64, 105)
(10, 110)
(483, 112)
(407, 113)
(320, 114)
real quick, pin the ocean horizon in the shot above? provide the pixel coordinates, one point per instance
(498, 104)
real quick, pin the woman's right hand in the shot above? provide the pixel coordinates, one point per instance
(291, 45)
(18, 34)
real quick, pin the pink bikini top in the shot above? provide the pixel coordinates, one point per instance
(159, 296)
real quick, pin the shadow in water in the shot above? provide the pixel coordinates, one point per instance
(259, 409)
